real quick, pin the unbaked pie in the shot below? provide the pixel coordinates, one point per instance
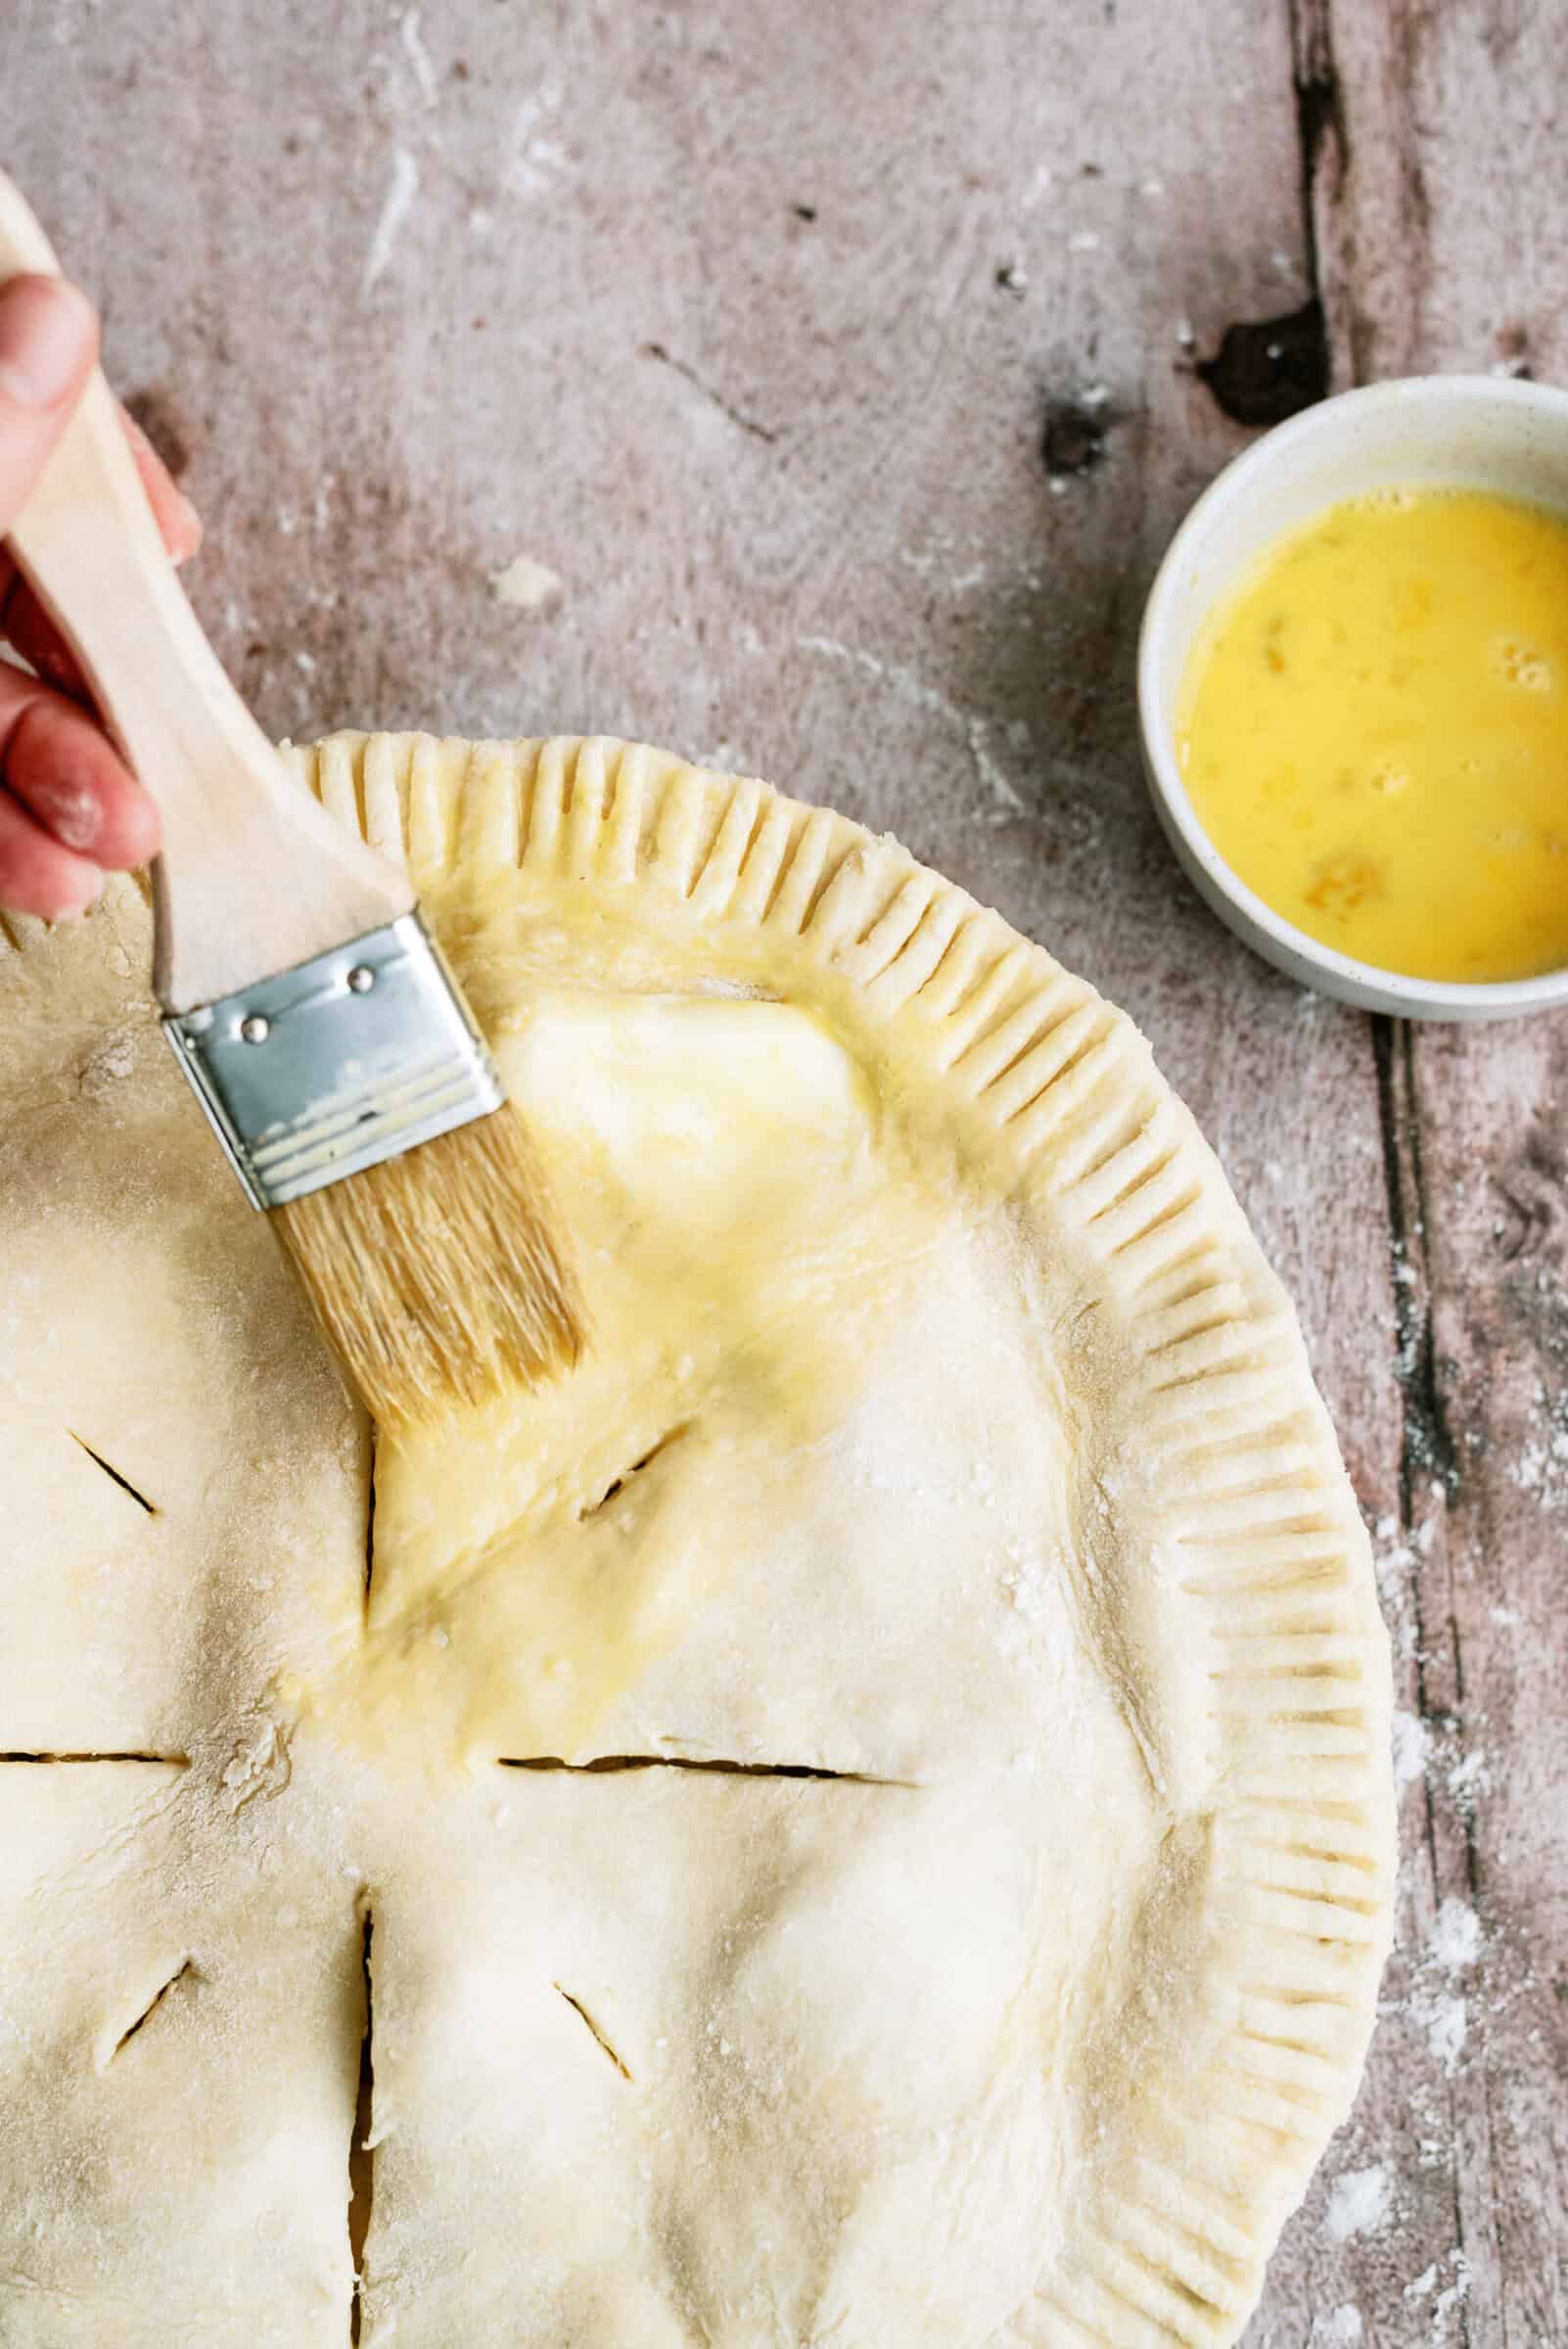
(868, 1804)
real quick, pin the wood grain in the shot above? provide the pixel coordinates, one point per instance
(1438, 125)
(840, 367)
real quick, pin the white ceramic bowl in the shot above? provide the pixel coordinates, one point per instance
(1459, 430)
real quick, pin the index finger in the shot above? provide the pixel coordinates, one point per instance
(28, 627)
(47, 342)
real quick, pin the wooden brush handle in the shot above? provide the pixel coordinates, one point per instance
(254, 875)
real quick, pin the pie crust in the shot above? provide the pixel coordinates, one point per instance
(869, 1801)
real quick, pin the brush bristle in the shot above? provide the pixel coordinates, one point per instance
(436, 1275)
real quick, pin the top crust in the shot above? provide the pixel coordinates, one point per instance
(943, 1432)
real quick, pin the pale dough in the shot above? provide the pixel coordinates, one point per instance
(871, 1799)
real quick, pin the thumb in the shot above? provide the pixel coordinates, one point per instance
(47, 342)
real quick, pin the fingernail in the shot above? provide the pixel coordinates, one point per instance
(46, 339)
(189, 543)
(184, 530)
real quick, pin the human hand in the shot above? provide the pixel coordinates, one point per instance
(70, 809)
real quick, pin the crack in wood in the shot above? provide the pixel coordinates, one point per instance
(579, 2008)
(1340, 220)
(1264, 370)
(725, 408)
(1427, 1445)
(1323, 154)
(1409, 1316)
(114, 1474)
(1367, 205)
(603, 1765)
(1321, 135)
(1074, 435)
(1267, 369)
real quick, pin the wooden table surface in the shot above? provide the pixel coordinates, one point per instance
(847, 368)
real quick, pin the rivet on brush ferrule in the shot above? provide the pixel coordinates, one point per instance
(345, 1060)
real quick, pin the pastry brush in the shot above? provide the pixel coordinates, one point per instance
(309, 1005)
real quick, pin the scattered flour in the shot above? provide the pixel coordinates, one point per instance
(1451, 2297)
(418, 55)
(1542, 1466)
(113, 1061)
(1412, 1747)
(1468, 1778)
(1027, 1583)
(1398, 1564)
(259, 1764)
(1446, 2020)
(1434, 2004)
(913, 690)
(1456, 1941)
(537, 158)
(1338, 2328)
(402, 187)
(1419, 1751)
(1360, 2203)
(1448, 2301)
(988, 768)
(526, 583)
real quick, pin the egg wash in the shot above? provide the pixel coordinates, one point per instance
(1373, 732)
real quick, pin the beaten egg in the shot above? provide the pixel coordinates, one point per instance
(1373, 732)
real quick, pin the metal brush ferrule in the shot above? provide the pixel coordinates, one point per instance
(345, 1060)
